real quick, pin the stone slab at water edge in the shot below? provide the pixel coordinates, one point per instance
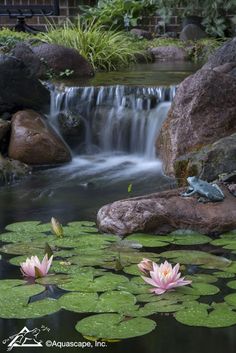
(167, 211)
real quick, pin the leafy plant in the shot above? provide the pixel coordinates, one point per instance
(114, 12)
(105, 49)
(9, 38)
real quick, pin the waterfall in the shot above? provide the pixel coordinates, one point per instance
(116, 119)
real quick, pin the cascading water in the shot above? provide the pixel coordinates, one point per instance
(119, 127)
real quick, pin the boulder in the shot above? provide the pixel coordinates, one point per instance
(141, 33)
(59, 59)
(34, 141)
(166, 211)
(169, 53)
(203, 111)
(225, 54)
(192, 32)
(19, 89)
(4, 128)
(209, 162)
(24, 52)
(11, 170)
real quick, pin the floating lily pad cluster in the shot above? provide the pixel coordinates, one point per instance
(98, 274)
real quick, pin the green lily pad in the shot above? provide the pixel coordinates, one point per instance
(113, 301)
(16, 237)
(223, 274)
(85, 283)
(199, 289)
(173, 297)
(149, 240)
(19, 291)
(21, 310)
(231, 299)
(132, 270)
(119, 327)
(195, 257)
(22, 227)
(6, 284)
(198, 315)
(53, 279)
(23, 248)
(231, 268)
(186, 237)
(232, 284)
(202, 277)
(79, 302)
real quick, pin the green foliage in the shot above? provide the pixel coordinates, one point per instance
(104, 49)
(202, 49)
(8, 38)
(116, 12)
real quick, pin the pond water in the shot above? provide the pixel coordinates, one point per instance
(107, 159)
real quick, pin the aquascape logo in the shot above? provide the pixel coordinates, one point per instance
(25, 338)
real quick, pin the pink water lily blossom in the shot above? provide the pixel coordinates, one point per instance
(145, 266)
(164, 278)
(32, 267)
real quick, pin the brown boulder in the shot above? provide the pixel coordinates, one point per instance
(166, 211)
(33, 141)
(203, 110)
(59, 59)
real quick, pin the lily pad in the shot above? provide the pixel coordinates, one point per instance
(182, 237)
(149, 240)
(199, 289)
(84, 283)
(198, 315)
(113, 301)
(223, 274)
(119, 327)
(231, 299)
(195, 257)
(22, 227)
(21, 310)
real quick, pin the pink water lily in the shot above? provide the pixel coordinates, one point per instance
(164, 278)
(145, 266)
(32, 267)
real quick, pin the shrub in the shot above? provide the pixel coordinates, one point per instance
(9, 38)
(104, 49)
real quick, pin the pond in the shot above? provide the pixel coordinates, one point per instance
(112, 160)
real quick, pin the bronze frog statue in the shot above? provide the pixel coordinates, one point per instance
(210, 192)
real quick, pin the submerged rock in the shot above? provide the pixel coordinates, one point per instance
(203, 111)
(11, 170)
(59, 59)
(167, 211)
(33, 141)
(19, 89)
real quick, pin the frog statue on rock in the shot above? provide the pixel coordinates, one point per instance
(209, 192)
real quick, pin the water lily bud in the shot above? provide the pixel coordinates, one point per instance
(57, 227)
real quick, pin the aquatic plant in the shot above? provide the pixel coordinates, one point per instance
(105, 49)
(32, 267)
(57, 227)
(164, 277)
(145, 266)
